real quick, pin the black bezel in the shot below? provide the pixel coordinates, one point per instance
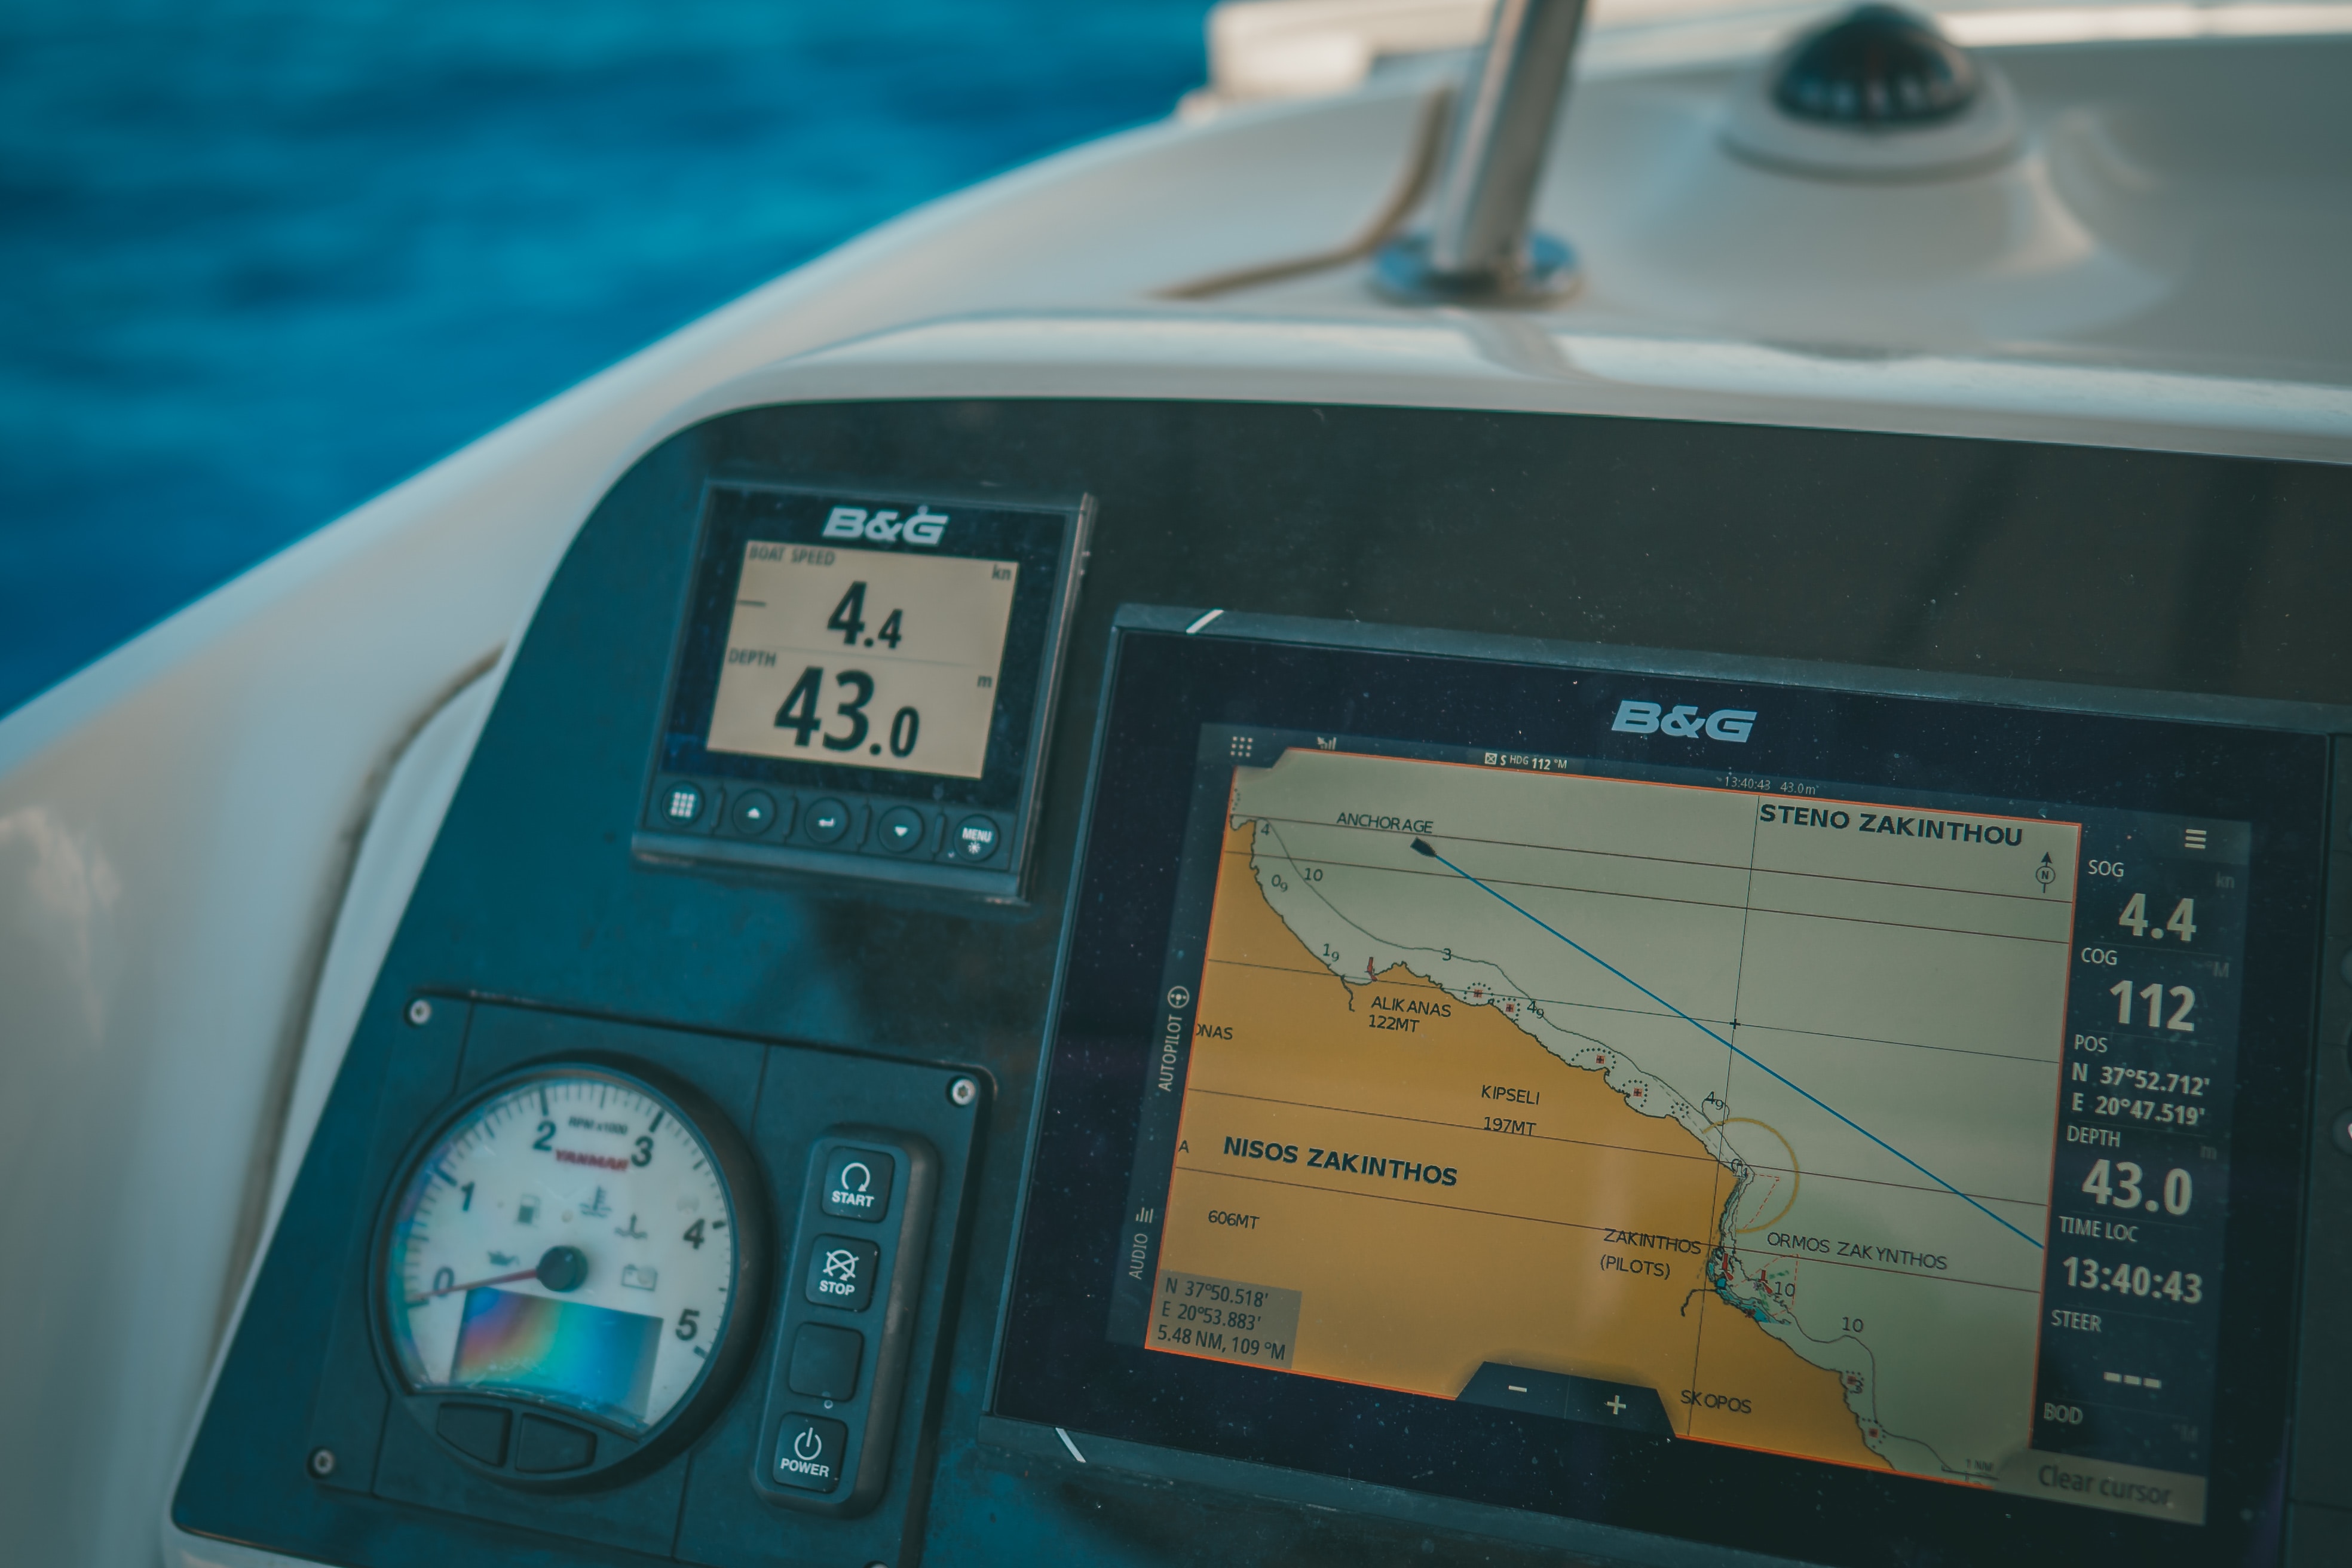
(620, 1454)
(1040, 537)
(1055, 1367)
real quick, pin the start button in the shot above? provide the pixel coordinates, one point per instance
(857, 1184)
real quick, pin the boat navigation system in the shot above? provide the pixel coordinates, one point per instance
(1576, 1088)
(862, 684)
(1751, 1108)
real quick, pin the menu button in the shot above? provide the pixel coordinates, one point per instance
(975, 839)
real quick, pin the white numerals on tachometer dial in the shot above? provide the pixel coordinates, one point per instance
(570, 1239)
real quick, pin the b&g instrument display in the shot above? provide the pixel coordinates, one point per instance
(863, 685)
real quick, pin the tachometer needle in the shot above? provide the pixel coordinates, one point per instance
(559, 1268)
(475, 1285)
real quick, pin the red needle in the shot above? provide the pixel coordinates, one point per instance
(475, 1285)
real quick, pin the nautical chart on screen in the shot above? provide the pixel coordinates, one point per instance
(1748, 1102)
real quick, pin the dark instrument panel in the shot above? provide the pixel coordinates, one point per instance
(715, 1176)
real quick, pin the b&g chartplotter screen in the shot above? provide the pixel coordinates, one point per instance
(1578, 1088)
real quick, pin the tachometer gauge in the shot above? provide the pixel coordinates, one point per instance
(564, 1271)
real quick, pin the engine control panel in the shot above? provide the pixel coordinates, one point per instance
(1151, 983)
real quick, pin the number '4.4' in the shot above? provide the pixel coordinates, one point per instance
(848, 618)
(2182, 923)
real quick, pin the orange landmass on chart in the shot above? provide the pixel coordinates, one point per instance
(1573, 1237)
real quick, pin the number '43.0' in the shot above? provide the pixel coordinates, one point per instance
(800, 716)
(799, 713)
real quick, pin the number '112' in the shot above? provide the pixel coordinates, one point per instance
(2184, 1001)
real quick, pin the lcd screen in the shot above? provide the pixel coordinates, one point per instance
(863, 656)
(1768, 1115)
(869, 651)
(592, 1358)
(1590, 1093)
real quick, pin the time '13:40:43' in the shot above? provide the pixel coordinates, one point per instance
(2135, 1279)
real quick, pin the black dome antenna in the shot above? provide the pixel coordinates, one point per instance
(1877, 68)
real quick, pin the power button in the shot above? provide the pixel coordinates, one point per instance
(808, 1453)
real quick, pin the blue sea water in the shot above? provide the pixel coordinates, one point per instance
(260, 260)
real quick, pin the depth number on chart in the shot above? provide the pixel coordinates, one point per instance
(799, 713)
(2116, 1183)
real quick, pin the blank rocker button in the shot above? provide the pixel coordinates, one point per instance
(476, 1430)
(550, 1448)
(825, 1361)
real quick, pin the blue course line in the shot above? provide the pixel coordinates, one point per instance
(1421, 847)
